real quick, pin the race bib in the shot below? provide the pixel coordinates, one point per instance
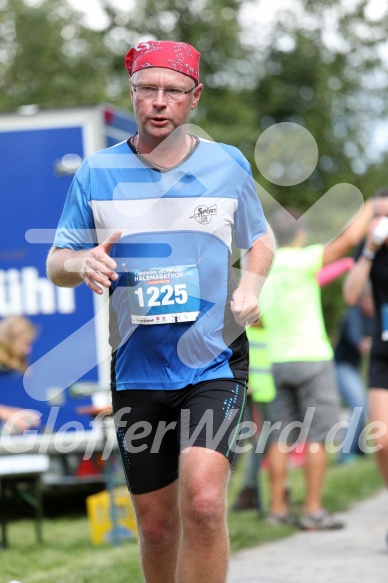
(167, 295)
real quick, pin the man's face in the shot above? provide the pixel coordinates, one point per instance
(157, 118)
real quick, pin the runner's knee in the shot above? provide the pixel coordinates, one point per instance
(204, 508)
(157, 532)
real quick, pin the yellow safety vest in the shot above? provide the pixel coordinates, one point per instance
(260, 382)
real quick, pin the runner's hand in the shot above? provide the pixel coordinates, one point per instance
(245, 307)
(98, 267)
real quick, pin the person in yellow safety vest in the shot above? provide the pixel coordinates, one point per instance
(261, 392)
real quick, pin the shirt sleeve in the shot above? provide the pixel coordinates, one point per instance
(308, 260)
(311, 258)
(76, 229)
(249, 220)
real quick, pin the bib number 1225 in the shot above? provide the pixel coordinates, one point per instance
(166, 295)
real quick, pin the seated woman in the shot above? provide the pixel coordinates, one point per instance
(17, 335)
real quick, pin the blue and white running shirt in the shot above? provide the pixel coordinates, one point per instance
(170, 322)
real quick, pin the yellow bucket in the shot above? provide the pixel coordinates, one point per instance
(101, 516)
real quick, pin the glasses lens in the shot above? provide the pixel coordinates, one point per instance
(174, 94)
(146, 92)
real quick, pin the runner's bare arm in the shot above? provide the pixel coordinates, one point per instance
(256, 265)
(94, 267)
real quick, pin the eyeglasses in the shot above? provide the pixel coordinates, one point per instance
(147, 92)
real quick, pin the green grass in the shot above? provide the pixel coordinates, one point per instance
(67, 555)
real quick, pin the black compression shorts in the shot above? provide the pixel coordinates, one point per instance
(378, 372)
(153, 427)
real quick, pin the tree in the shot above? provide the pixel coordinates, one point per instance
(50, 58)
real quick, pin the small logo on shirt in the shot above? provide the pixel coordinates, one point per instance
(203, 214)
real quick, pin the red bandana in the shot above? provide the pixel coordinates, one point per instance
(167, 54)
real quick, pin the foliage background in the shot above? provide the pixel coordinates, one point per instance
(322, 64)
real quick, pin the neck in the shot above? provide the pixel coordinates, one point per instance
(167, 152)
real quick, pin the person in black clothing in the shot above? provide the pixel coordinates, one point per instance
(353, 344)
(373, 264)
